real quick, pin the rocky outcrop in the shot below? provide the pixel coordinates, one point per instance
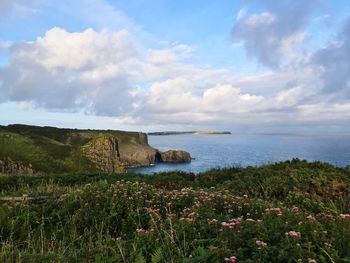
(109, 155)
(139, 156)
(8, 166)
(175, 156)
(103, 152)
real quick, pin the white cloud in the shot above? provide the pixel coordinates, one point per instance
(64, 70)
(170, 55)
(74, 51)
(110, 74)
(290, 97)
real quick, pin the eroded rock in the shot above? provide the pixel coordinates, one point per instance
(175, 156)
(103, 152)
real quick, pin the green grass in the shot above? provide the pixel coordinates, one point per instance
(55, 150)
(180, 217)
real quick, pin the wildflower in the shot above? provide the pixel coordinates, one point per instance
(228, 225)
(293, 234)
(250, 220)
(232, 259)
(275, 210)
(295, 209)
(142, 232)
(345, 216)
(311, 218)
(212, 221)
(260, 244)
(310, 260)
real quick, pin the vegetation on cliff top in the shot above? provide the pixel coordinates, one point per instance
(189, 132)
(292, 211)
(50, 149)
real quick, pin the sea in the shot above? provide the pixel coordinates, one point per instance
(241, 150)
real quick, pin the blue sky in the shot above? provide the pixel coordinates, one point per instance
(149, 65)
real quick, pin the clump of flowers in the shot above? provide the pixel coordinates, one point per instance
(232, 259)
(189, 218)
(232, 223)
(345, 216)
(250, 220)
(275, 210)
(311, 218)
(228, 225)
(295, 210)
(212, 221)
(260, 244)
(293, 234)
(142, 232)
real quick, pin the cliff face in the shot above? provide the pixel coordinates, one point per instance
(48, 149)
(103, 152)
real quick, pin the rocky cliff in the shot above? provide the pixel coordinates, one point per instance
(103, 152)
(49, 149)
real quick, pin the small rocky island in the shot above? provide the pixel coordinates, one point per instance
(28, 150)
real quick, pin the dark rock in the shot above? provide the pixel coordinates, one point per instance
(175, 156)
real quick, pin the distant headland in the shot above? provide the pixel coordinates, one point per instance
(188, 132)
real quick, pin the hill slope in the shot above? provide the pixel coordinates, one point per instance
(28, 149)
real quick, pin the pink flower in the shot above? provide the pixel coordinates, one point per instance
(228, 225)
(311, 218)
(310, 260)
(275, 210)
(345, 216)
(293, 234)
(142, 232)
(232, 259)
(213, 221)
(295, 209)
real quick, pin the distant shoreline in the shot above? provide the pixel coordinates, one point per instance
(188, 132)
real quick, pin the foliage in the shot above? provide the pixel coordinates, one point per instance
(54, 150)
(292, 211)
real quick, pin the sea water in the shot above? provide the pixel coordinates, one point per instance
(212, 151)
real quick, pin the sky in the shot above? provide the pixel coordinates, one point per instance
(241, 65)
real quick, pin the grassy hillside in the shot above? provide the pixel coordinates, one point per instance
(55, 150)
(292, 211)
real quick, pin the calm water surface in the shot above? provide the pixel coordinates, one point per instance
(211, 151)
